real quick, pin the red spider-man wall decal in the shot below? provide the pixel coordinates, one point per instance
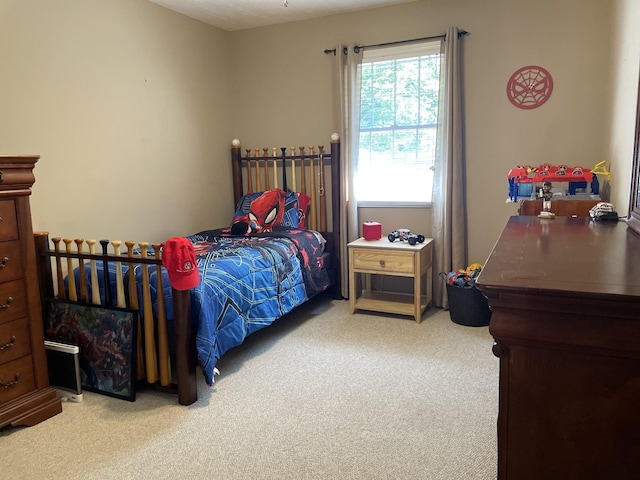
(529, 87)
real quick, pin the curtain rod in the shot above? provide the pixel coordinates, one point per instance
(461, 33)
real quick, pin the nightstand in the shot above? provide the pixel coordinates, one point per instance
(382, 257)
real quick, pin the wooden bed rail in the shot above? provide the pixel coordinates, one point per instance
(153, 359)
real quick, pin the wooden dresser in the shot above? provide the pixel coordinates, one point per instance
(565, 300)
(25, 395)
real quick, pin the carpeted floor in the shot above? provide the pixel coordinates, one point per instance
(319, 394)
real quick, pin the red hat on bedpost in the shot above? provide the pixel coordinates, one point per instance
(179, 258)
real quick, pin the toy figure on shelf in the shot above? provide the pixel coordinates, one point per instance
(546, 194)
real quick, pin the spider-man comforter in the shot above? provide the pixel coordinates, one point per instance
(248, 282)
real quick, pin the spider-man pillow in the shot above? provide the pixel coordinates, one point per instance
(261, 211)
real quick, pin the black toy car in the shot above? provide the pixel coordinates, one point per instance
(403, 234)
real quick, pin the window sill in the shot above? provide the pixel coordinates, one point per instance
(370, 204)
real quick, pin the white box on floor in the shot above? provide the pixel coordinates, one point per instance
(63, 363)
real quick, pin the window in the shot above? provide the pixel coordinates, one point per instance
(398, 123)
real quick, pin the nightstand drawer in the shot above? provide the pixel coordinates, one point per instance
(16, 378)
(383, 261)
(15, 341)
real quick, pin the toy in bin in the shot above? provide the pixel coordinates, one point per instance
(405, 235)
(465, 277)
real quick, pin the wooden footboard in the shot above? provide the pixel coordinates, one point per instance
(153, 360)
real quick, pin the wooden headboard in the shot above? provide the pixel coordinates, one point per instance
(308, 169)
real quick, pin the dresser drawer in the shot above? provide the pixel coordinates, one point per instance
(16, 378)
(8, 222)
(13, 300)
(11, 266)
(14, 340)
(383, 261)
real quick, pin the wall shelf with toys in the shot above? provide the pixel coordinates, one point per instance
(523, 179)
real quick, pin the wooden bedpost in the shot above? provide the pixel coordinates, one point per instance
(185, 348)
(336, 212)
(45, 273)
(236, 165)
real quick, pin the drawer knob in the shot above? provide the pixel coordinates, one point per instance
(382, 263)
(11, 383)
(11, 343)
(8, 304)
(5, 260)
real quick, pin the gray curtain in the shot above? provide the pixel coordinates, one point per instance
(347, 74)
(449, 212)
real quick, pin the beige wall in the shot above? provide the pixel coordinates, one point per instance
(625, 53)
(105, 90)
(572, 127)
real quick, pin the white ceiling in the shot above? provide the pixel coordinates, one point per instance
(241, 14)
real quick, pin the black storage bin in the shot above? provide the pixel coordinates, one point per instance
(468, 306)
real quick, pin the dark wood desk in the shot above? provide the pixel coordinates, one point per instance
(565, 299)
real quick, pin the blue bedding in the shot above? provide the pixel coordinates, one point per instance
(246, 283)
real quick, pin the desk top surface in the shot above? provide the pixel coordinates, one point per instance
(564, 254)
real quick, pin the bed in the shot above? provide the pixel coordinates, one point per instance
(251, 274)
